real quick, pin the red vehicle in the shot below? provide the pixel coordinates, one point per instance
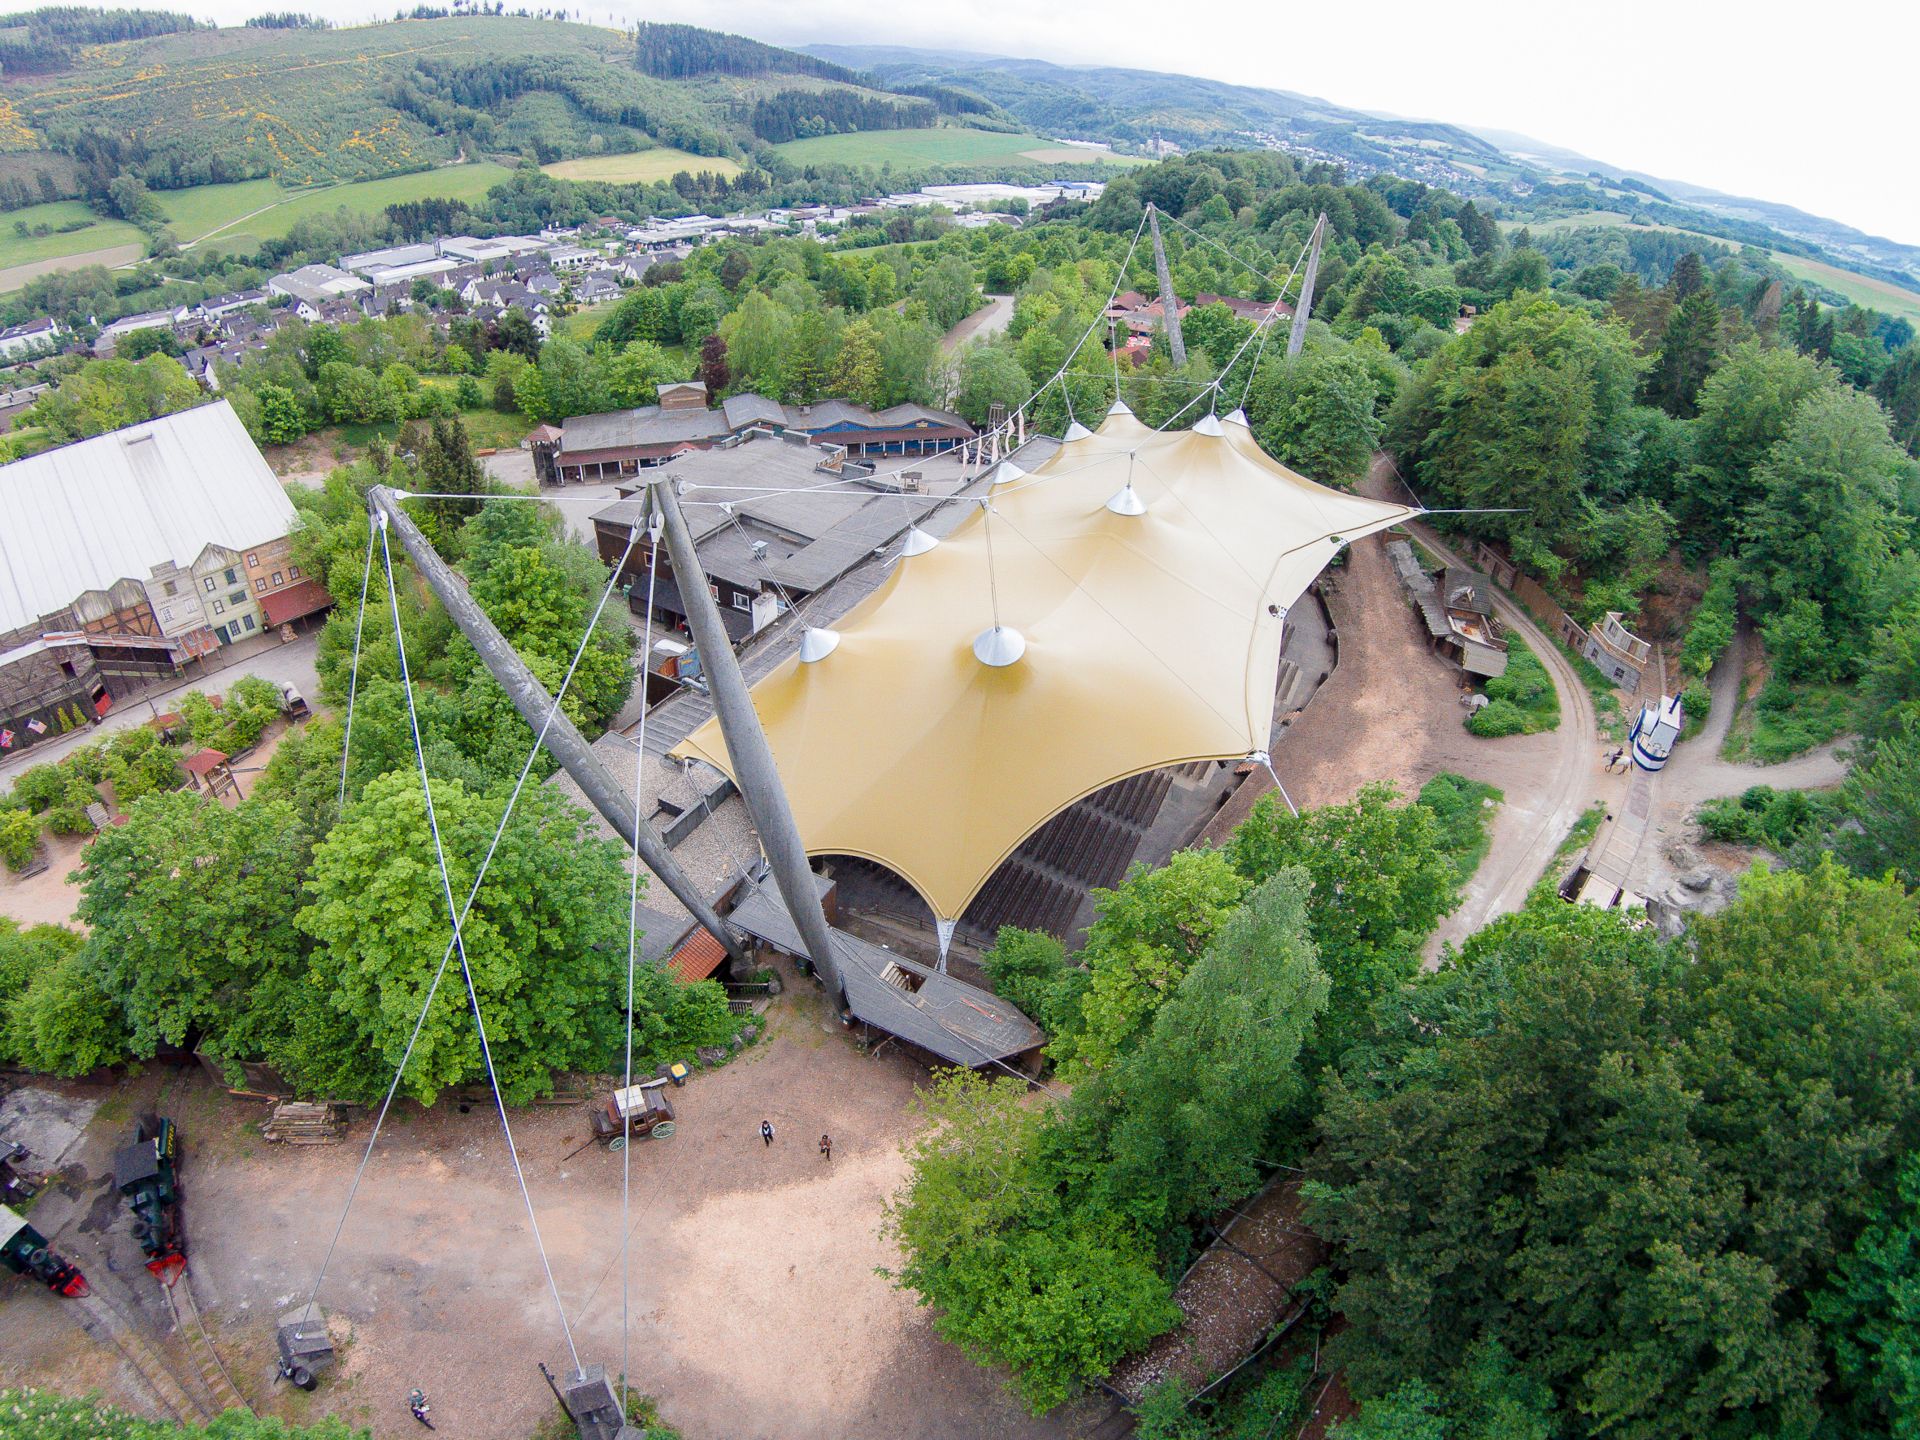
(26, 1252)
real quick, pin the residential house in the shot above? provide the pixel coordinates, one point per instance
(595, 289)
(36, 337)
(109, 338)
(1258, 311)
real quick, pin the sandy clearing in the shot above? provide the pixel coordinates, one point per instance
(15, 277)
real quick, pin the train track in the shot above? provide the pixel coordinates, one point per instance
(100, 1318)
(206, 1358)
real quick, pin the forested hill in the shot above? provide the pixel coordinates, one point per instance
(179, 104)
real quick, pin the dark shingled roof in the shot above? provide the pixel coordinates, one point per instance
(948, 1018)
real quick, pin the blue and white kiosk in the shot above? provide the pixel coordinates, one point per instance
(1654, 731)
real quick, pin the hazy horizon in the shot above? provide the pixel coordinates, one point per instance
(1689, 95)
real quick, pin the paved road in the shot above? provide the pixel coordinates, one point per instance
(989, 319)
(263, 656)
(1527, 829)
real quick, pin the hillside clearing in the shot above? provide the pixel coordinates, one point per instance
(1880, 295)
(259, 210)
(94, 233)
(1861, 289)
(662, 162)
(944, 145)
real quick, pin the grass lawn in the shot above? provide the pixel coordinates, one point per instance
(1784, 720)
(943, 145)
(487, 428)
(98, 234)
(579, 326)
(217, 210)
(1578, 838)
(662, 162)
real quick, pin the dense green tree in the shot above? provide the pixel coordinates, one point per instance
(948, 291)
(1530, 408)
(1745, 408)
(1381, 882)
(108, 395)
(1629, 1165)
(1183, 1116)
(545, 943)
(1148, 931)
(1688, 350)
(637, 370)
(187, 903)
(1871, 1310)
(1316, 413)
(1015, 1273)
(1824, 529)
(990, 374)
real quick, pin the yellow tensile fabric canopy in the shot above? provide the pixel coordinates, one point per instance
(1150, 639)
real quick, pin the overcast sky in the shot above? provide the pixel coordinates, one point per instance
(1809, 107)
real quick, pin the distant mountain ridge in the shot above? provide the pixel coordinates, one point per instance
(1530, 177)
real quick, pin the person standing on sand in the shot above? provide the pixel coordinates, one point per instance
(826, 1146)
(766, 1132)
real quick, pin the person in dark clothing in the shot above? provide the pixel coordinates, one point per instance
(766, 1132)
(826, 1146)
(417, 1403)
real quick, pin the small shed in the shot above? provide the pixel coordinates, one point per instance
(209, 768)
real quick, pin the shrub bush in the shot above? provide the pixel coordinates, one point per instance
(41, 787)
(19, 838)
(1497, 718)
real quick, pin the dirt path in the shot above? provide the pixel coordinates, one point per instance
(989, 319)
(1541, 805)
(1697, 774)
(1530, 826)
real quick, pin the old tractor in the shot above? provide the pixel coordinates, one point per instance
(26, 1252)
(146, 1172)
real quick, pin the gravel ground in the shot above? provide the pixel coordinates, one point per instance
(755, 1308)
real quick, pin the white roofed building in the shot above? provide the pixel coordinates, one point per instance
(124, 556)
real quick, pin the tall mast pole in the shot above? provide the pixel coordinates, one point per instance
(1169, 302)
(562, 740)
(753, 767)
(1297, 337)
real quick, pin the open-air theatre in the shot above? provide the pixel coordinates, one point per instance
(1119, 609)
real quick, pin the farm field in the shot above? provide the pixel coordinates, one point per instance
(18, 249)
(236, 217)
(226, 214)
(1861, 289)
(662, 162)
(943, 145)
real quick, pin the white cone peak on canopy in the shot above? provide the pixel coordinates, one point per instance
(817, 643)
(1143, 644)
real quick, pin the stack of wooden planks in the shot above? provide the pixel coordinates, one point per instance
(300, 1122)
